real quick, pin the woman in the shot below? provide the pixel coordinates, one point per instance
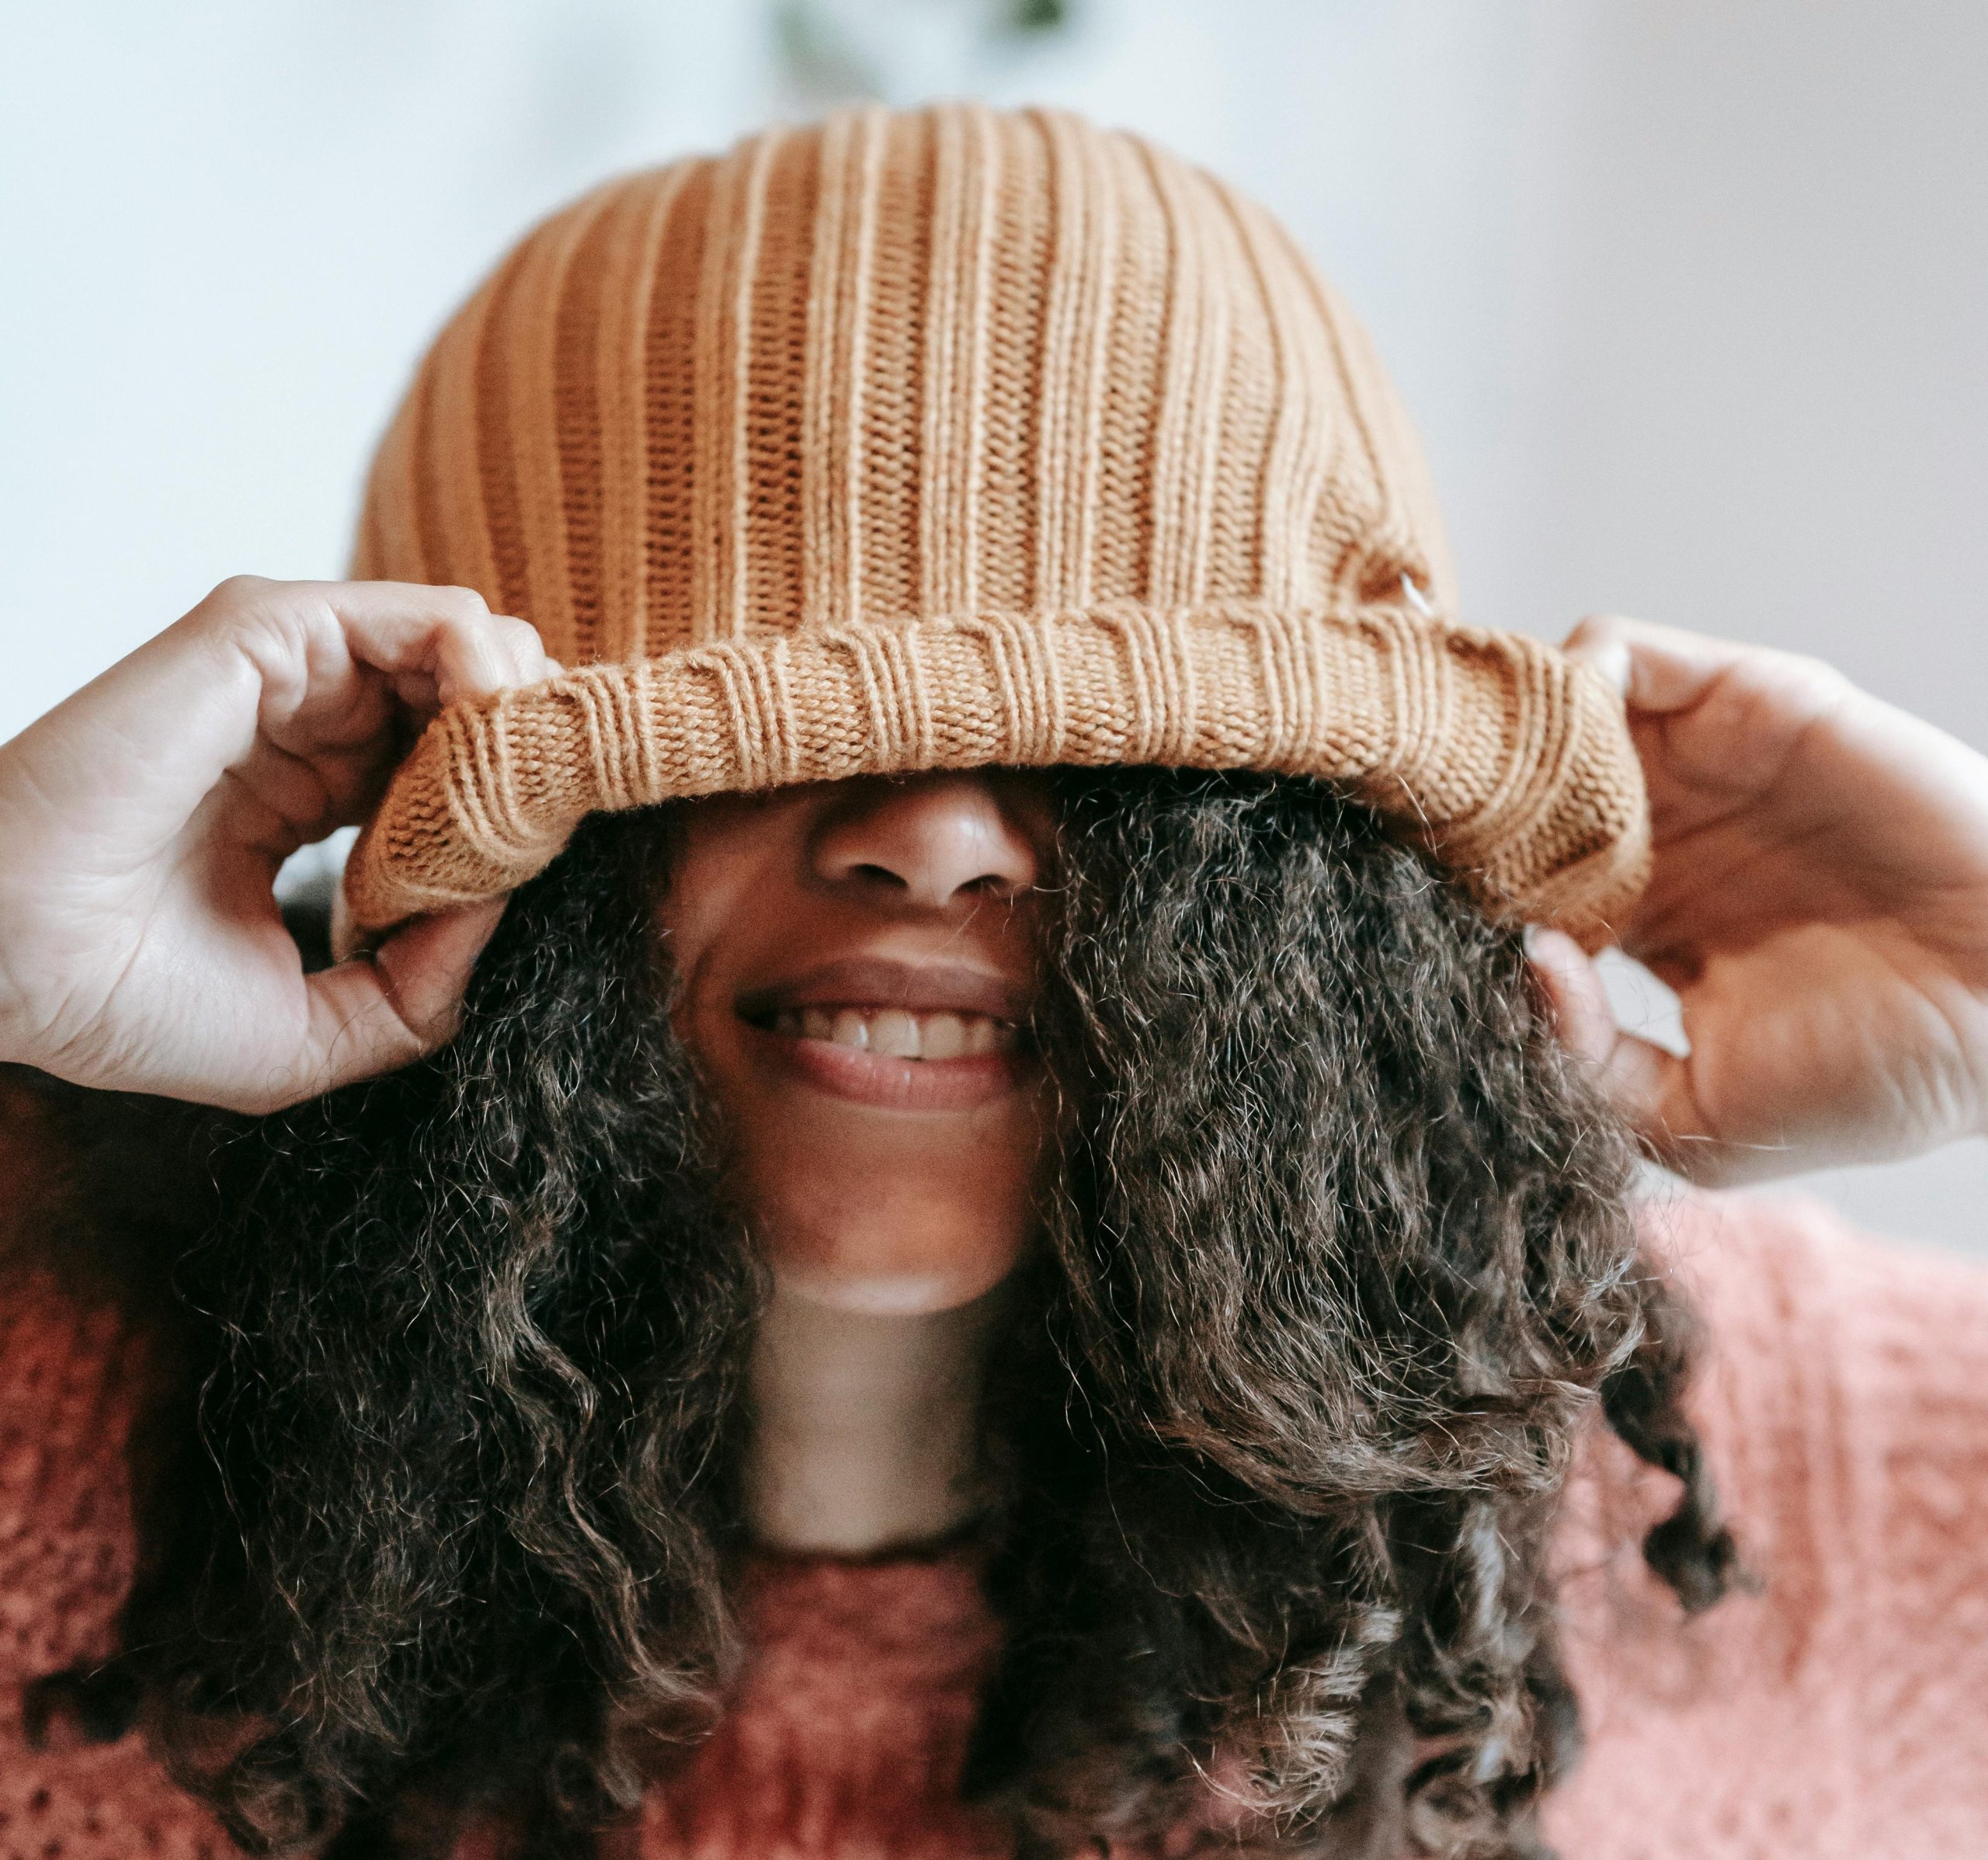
(1002, 1250)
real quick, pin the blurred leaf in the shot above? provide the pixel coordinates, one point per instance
(1039, 16)
(817, 53)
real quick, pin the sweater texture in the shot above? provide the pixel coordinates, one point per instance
(1839, 1713)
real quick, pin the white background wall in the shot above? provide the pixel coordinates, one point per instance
(1687, 296)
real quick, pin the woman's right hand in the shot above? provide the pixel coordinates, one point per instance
(142, 822)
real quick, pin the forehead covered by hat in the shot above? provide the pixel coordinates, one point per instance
(943, 439)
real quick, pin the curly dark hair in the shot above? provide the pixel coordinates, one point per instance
(1338, 1253)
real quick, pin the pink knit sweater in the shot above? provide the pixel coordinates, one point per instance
(1840, 1715)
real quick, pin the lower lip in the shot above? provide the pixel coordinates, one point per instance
(868, 1078)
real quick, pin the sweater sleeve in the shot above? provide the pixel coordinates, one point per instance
(1841, 1709)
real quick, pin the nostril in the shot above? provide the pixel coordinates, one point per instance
(930, 841)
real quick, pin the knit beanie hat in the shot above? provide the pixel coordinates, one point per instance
(941, 439)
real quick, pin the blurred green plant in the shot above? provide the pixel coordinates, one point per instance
(1038, 16)
(823, 57)
(817, 54)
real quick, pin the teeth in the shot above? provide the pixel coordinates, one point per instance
(893, 1033)
(849, 1028)
(942, 1036)
(896, 1034)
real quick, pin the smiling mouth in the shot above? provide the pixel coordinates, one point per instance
(895, 1033)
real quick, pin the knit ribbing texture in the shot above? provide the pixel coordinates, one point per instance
(941, 439)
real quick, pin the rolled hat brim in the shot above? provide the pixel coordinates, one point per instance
(1511, 765)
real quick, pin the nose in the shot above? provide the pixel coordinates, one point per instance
(927, 841)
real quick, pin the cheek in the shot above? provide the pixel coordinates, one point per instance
(715, 880)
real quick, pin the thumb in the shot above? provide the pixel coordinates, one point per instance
(1575, 998)
(1653, 1091)
(1649, 1087)
(376, 1012)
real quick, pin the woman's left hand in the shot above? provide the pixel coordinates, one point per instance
(1819, 902)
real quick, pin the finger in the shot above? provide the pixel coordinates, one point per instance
(1722, 727)
(346, 668)
(274, 801)
(416, 692)
(426, 965)
(1652, 1089)
(448, 633)
(1594, 643)
(1576, 997)
(307, 666)
(1656, 668)
(385, 1010)
(530, 660)
(1661, 670)
(306, 638)
(1649, 1087)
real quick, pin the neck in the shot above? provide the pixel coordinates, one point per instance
(865, 1432)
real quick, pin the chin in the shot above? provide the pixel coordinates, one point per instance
(881, 1294)
(880, 1208)
(907, 1260)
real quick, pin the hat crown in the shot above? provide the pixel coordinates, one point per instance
(898, 366)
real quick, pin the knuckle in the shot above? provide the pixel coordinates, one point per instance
(235, 593)
(522, 633)
(462, 605)
(1812, 682)
(249, 612)
(1819, 674)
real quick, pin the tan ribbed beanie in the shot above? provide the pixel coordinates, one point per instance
(942, 438)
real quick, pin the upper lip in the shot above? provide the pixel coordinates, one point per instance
(918, 988)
